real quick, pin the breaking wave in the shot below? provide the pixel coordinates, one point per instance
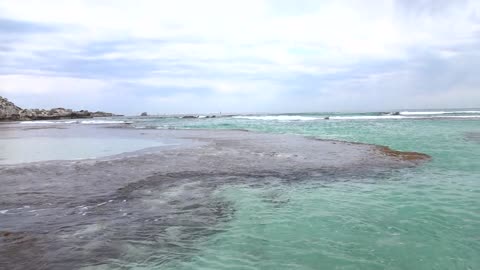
(437, 112)
(287, 118)
(84, 122)
(279, 118)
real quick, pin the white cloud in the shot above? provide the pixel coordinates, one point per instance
(220, 86)
(40, 85)
(236, 48)
(337, 29)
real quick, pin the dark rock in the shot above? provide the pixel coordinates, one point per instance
(189, 116)
(144, 114)
(82, 114)
(103, 114)
(8, 110)
(11, 112)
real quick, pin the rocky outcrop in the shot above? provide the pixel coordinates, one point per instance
(103, 114)
(8, 110)
(11, 112)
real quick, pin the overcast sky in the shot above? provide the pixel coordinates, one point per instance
(130, 56)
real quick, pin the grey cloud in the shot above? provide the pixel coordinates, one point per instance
(12, 31)
(89, 62)
(366, 84)
(8, 26)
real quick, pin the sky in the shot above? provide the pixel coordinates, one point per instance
(210, 56)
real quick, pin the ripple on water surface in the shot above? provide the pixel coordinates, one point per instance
(414, 218)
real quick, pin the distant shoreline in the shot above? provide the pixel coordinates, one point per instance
(9, 112)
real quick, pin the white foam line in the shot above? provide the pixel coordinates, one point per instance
(359, 117)
(437, 112)
(101, 122)
(39, 122)
(458, 116)
(279, 118)
(386, 117)
(84, 122)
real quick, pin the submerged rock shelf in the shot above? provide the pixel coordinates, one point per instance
(87, 212)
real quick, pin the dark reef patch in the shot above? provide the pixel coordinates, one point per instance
(155, 204)
(404, 156)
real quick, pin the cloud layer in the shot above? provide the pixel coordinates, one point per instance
(240, 56)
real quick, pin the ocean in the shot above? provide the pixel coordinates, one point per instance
(421, 217)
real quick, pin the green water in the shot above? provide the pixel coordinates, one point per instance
(420, 218)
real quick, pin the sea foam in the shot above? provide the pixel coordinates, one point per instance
(102, 122)
(287, 118)
(39, 122)
(437, 112)
(279, 118)
(84, 122)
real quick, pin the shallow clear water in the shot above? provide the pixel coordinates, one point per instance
(33, 149)
(425, 218)
(418, 218)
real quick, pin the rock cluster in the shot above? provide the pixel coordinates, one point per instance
(8, 110)
(11, 112)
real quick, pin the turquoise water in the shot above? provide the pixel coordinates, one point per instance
(427, 217)
(421, 218)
